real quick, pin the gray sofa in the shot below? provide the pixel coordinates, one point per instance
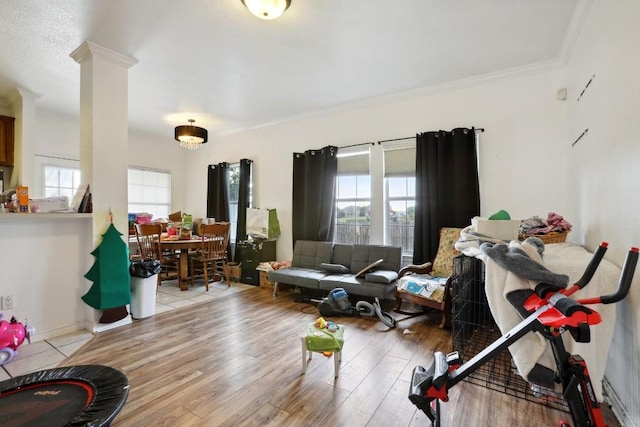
(323, 266)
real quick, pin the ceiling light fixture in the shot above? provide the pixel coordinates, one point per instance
(191, 137)
(267, 9)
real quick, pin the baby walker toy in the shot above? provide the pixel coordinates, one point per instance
(12, 335)
(546, 311)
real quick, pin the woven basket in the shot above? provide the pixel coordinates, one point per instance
(552, 237)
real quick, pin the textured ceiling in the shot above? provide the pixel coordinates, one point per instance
(213, 61)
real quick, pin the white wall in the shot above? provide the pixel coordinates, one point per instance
(522, 151)
(605, 168)
(58, 138)
(43, 262)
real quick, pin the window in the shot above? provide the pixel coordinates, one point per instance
(234, 191)
(400, 196)
(401, 210)
(61, 181)
(353, 197)
(150, 191)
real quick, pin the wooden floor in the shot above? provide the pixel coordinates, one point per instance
(236, 361)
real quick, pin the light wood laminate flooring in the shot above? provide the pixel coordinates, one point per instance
(236, 361)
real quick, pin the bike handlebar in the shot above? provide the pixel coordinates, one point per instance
(593, 265)
(626, 277)
(570, 312)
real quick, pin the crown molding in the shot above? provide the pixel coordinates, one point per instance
(89, 50)
(575, 27)
(508, 74)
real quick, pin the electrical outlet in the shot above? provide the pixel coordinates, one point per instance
(7, 302)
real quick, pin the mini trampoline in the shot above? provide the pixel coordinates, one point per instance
(84, 395)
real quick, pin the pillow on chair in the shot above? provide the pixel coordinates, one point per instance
(446, 251)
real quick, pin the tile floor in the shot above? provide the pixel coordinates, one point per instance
(47, 354)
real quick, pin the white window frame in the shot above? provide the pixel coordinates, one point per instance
(407, 249)
(43, 161)
(398, 158)
(156, 193)
(353, 162)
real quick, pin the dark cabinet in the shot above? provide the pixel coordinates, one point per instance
(250, 254)
(6, 140)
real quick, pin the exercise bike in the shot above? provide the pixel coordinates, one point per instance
(551, 313)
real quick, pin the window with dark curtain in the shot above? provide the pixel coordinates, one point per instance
(244, 198)
(229, 195)
(314, 186)
(447, 186)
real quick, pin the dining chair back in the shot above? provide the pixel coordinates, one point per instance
(211, 258)
(150, 247)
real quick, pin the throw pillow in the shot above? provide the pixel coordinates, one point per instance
(381, 276)
(334, 268)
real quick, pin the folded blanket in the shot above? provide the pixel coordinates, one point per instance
(470, 241)
(509, 268)
(532, 354)
(523, 262)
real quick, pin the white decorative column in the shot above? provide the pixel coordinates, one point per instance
(23, 103)
(104, 141)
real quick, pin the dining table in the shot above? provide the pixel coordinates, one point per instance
(182, 245)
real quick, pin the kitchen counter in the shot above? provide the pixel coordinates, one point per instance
(12, 216)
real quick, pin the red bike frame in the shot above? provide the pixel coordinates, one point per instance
(550, 313)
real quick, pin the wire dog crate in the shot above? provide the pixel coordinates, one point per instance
(473, 329)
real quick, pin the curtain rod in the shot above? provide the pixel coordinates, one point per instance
(358, 145)
(413, 137)
(392, 140)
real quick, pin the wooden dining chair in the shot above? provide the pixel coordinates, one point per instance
(150, 247)
(211, 258)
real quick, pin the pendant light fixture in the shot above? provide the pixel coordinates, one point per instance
(191, 137)
(267, 9)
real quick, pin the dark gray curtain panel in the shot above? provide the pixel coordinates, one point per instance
(314, 194)
(447, 187)
(217, 195)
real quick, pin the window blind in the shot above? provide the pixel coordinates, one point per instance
(353, 161)
(400, 160)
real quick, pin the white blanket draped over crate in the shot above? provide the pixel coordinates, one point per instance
(562, 258)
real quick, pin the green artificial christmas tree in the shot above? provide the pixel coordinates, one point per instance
(110, 276)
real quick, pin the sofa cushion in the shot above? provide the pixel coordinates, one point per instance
(311, 254)
(334, 268)
(342, 254)
(303, 277)
(364, 255)
(381, 276)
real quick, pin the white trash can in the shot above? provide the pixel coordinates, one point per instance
(143, 296)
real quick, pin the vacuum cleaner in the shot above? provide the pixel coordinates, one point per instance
(337, 304)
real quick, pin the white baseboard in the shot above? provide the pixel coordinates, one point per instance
(616, 406)
(101, 327)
